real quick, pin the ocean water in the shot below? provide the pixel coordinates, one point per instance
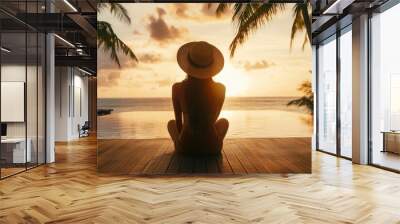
(249, 117)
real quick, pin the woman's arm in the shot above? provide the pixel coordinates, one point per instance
(221, 98)
(177, 106)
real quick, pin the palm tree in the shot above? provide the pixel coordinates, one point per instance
(107, 38)
(249, 17)
(307, 100)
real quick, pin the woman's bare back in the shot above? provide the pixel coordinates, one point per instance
(197, 105)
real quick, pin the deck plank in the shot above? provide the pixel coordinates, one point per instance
(157, 159)
(114, 164)
(223, 164)
(161, 165)
(269, 155)
(236, 166)
(246, 148)
(173, 166)
(247, 164)
(145, 156)
(239, 156)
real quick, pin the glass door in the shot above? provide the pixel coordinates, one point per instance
(345, 60)
(14, 153)
(385, 89)
(327, 95)
(41, 96)
(32, 98)
(22, 77)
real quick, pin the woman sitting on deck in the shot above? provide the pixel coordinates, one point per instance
(199, 99)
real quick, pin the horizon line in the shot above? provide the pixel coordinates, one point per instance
(171, 97)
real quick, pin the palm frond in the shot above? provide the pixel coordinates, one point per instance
(110, 42)
(305, 41)
(240, 11)
(301, 21)
(116, 9)
(303, 102)
(307, 18)
(306, 88)
(307, 100)
(221, 8)
(298, 22)
(250, 18)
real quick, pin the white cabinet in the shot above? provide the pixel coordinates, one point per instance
(17, 145)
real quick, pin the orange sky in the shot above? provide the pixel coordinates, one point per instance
(263, 66)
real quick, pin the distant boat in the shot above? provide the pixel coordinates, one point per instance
(102, 112)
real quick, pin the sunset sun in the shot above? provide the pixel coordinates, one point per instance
(236, 83)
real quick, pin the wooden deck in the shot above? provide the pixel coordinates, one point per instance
(239, 156)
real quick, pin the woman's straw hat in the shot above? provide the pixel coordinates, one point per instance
(200, 59)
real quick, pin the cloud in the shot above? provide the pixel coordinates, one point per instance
(108, 79)
(210, 11)
(161, 31)
(137, 32)
(198, 12)
(114, 79)
(181, 9)
(150, 58)
(164, 82)
(104, 61)
(263, 64)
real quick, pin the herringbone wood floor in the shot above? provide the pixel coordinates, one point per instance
(71, 191)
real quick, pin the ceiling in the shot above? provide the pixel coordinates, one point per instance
(74, 22)
(328, 16)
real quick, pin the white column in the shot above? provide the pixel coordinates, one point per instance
(50, 92)
(62, 103)
(50, 99)
(360, 90)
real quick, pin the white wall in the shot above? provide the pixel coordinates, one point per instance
(81, 94)
(61, 112)
(70, 84)
(14, 73)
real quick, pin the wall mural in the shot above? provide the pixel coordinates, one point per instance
(203, 88)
